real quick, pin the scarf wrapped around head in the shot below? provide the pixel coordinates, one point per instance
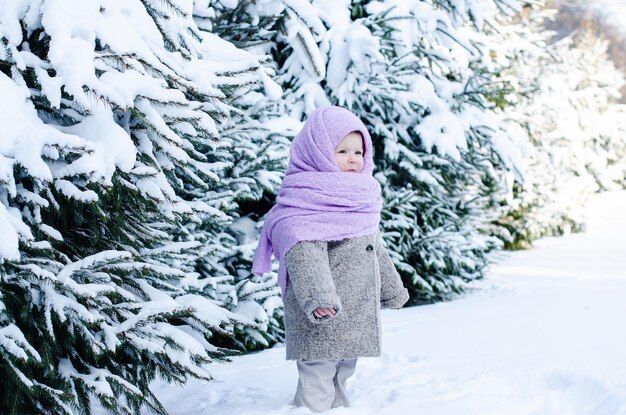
(317, 201)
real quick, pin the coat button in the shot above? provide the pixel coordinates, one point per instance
(369, 248)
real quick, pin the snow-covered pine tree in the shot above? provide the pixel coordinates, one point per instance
(565, 98)
(257, 159)
(603, 118)
(110, 158)
(413, 74)
(443, 149)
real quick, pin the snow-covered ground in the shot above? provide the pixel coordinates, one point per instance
(543, 334)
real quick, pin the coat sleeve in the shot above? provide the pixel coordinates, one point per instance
(310, 278)
(392, 292)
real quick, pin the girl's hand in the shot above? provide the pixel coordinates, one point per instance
(320, 312)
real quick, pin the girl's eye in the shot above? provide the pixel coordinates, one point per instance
(341, 151)
(359, 153)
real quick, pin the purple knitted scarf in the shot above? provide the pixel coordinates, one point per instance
(317, 201)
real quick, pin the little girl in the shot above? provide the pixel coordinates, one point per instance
(334, 272)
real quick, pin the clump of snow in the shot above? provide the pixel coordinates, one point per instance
(113, 147)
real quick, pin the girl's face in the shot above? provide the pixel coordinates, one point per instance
(349, 153)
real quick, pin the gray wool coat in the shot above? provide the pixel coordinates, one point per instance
(357, 278)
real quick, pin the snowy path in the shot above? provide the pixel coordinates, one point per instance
(544, 334)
